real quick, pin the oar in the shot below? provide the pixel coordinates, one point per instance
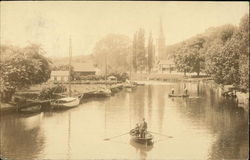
(161, 134)
(106, 139)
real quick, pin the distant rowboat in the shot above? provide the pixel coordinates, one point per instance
(178, 95)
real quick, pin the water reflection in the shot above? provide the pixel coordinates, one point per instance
(141, 149)
(204, 126)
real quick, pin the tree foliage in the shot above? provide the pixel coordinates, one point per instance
(222, 52)
(115, 50)
(22, 67)
(189, 56)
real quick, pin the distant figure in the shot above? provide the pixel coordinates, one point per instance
(144, 127)
(172, 90)
(185, 91)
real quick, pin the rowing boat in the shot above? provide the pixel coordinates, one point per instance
(66, 103)
(148, 139)
(178, 95)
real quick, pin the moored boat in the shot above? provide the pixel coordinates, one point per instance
(178, 95)
(148, 139)
(65, 103)
(99, 93)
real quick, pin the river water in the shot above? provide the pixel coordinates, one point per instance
(204, 126)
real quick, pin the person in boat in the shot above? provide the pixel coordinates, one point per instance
(172, 90)
(144, 127)
(185, 90)
(137, 130)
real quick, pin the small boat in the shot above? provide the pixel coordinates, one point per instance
(31, 109)
(99, 93)
(65, 103)
(147, 140)
(178, 95)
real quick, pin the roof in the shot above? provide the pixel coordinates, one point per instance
(59, 73)
(84, 67)
(165, 61)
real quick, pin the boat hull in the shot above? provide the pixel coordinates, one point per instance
(66, 105)
(147, 140)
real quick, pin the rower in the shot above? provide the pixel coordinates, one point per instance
(144, 127)
(172, 90)
(137, 130)
(185, 90)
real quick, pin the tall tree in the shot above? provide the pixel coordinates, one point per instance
(134, 52)
(150, 51)
(141, 51)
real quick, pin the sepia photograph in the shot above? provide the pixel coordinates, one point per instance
(124, 80)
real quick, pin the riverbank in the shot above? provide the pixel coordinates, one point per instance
(32, 95)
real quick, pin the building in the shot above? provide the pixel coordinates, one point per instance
(60, 76)
(85, 69)
(165, 66)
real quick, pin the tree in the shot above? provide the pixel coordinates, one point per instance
(134, 52)
(244, 48)
(189, 55)
(141, 51)
(22, 67)
(150, 51)
(115, 48)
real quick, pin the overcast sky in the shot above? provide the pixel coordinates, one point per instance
(51, 23)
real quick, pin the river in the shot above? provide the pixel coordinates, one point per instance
(203, 126)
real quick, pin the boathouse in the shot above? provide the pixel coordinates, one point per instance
(85, 69)
(60, 76)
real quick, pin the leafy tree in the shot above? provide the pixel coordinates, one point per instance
(21, 68)
(115, 50)
(243, 38)
(189, 55)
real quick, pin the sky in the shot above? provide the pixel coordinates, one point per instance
(52, 23)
